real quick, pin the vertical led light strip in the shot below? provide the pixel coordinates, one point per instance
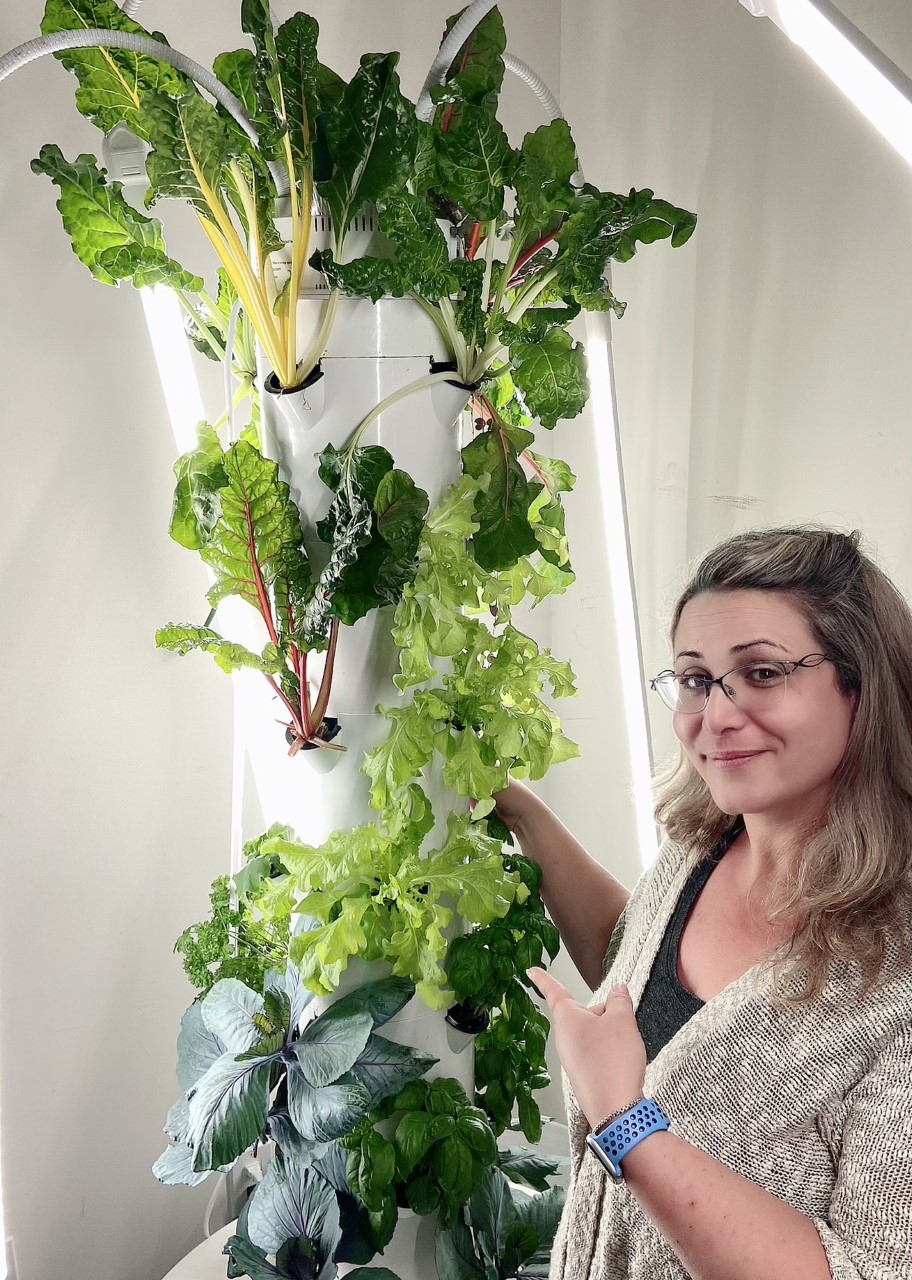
(867, 77)
(180, 388)
(620, 570)
(175, 366)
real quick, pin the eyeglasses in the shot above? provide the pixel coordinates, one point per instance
(752, 687)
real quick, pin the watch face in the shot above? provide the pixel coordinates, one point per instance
(613, 1170)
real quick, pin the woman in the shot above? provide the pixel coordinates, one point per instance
(757, 990)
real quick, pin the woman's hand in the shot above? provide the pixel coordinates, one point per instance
(601, 1048)
(513, 804)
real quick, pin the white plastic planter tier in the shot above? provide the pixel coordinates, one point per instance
(375, 350)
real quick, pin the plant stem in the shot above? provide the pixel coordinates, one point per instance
(438, 319)
(326, 681)
(490, 246)
(525, 300)
(458, 342)
(318, 347)
(429, 380)
(197, 319)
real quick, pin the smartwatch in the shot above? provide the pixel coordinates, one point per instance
(610, 1141)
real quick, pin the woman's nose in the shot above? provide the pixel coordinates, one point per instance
(721, 711)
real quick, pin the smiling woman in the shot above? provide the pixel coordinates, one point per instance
(821, 760)
(742, 1070)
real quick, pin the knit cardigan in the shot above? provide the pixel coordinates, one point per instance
(814, 1105)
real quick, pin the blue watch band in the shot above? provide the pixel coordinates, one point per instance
(622, 1135)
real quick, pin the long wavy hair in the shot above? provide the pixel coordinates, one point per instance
(847, 896)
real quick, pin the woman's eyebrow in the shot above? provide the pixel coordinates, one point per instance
(736, 648)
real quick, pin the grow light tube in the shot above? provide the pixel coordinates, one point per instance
(175, 367)
(867, 77)
(620, 572)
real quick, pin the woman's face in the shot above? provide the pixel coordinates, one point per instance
(775, 758)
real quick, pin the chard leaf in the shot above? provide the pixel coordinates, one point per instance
(257, 538)
(551, 375)
(256, 21)
(228, 1110)
(290, 1203)
(422, 255)
(308, 88)
(109, 236)
(504, 531)
(605, 226)
(475, 162)
(546, 514)
(112, 82)
(366, 277)
(547, 162)
(228, 655)
(374, 526)
(478, 68)
(200, 476)
(370, 133)
(191, 146)
(471, 315)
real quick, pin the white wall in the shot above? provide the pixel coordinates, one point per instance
(115, 758)
(764, 371)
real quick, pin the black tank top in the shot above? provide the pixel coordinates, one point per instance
(665, 1004)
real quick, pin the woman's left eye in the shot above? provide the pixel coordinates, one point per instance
(763, 675)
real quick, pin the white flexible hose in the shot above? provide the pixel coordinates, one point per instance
(453, 43)
(448, 50)
(536, 84)
(99, 38)
(131, 7)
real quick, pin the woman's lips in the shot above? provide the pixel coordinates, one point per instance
(733, 759)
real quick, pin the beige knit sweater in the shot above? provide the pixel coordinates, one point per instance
(815, 1106)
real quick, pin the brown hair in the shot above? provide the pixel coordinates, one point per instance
(848, 895)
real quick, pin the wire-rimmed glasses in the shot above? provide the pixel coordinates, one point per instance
(752, 686)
